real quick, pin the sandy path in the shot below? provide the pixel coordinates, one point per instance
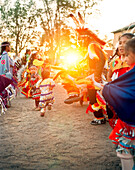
(62, 140)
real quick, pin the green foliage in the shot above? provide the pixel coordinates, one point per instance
(19, 22)
(87, 7)
(53, 16)
(53, 21)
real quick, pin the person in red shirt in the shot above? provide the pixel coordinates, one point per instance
(120, 95)
(118, 66)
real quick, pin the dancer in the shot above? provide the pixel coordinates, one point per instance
(29, 81)
(95, 57)
(7, 70)
(120, 95)
(25, 59)
(34, 92)
(46, 96)
(118, 66)
(6, 63)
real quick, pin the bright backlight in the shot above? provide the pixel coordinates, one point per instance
(71, 59)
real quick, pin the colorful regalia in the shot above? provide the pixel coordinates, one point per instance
(29, 82)
(94, 56)
(46, 95)
(4, 82)
(118, 67)
(97, 59)
(36, 91)
(120, 94)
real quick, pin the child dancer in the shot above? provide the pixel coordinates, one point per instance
(29, 82)
(118, 66)
(35, 92)
(120, 94)
(46, 96)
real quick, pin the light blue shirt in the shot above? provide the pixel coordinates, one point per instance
(5, 65)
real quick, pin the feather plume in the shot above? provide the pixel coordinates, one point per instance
(86, 31)
(81, 19)
(75, 20)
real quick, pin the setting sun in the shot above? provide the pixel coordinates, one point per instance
(71, 58)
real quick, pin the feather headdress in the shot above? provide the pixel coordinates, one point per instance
(85, 31)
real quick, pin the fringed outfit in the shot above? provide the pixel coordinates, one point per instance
(97, 59)
(46, 96)
(99, 107)
(120, 94)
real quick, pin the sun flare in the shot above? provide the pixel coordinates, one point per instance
(71, 59)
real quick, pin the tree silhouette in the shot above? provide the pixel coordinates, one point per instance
(18, 23)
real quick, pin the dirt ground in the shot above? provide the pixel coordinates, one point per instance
(62, 140)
